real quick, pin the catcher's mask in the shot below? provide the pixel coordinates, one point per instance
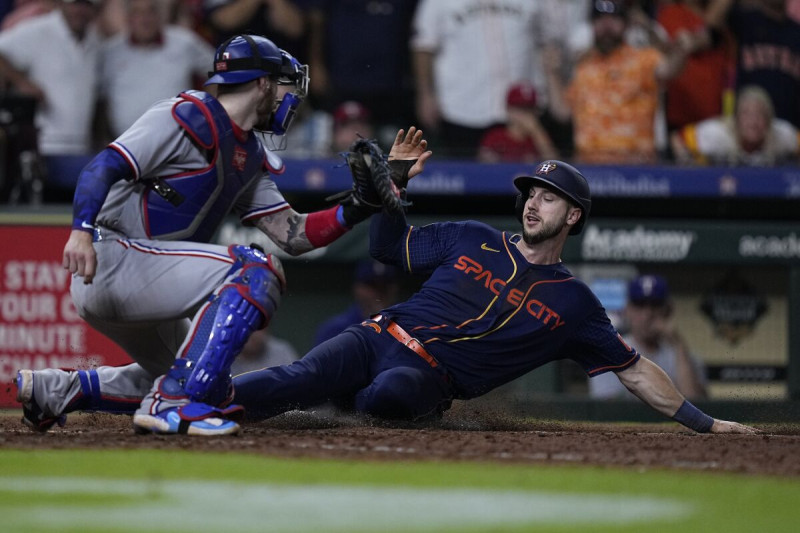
(295, 74)
(244, 58)
(561, 177)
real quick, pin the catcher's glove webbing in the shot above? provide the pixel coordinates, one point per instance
(373, 187)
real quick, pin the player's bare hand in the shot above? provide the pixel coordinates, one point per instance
(79, 255)
(723, 426)
(411, 145)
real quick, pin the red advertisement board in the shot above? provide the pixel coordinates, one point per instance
(39, 327)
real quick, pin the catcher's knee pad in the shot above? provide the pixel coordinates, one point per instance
(404, 393)
(244, 303)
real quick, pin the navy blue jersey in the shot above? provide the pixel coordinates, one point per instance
(489, 316)
(769, 56)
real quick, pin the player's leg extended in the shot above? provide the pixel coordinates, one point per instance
(47, 395)
(338, 367)
(190, 398)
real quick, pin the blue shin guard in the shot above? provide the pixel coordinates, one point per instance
(244, 303)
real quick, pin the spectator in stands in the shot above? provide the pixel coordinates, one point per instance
(768, 50)
(263, 350)
(351, 119)
(466, 55)
(697, 92)
(282, 21)
(358, 50)
(375, 287)
(150, 61)
(614, 95)
(793, 10)
(523, 139)
(752, 137)
(651, 329)
(54, 58)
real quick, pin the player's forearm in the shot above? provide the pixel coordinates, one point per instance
(649, 383)
(297, 233)
(386, 237)
(94, 182)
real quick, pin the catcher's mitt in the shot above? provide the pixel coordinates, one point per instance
(373, 187)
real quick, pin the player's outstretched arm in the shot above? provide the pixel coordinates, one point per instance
(651, 384)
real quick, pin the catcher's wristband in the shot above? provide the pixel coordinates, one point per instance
(693, 418)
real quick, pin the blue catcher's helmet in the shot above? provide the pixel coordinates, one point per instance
(562, 177)
(244, 58)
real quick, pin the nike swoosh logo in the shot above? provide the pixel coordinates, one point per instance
(86, 226)
(484, 246)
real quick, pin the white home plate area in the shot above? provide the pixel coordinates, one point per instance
(148, 505)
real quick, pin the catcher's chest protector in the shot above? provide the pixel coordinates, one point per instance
(197, 201)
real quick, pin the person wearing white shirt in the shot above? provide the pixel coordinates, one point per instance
(149, 62)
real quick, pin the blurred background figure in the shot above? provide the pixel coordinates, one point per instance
(652, 332)
(358, 50)
(263, 350)
(613, 99)
(523, 139)
(19, 10)
(351, 119)
(281, 21)
(150, 61)
(706, 80)
(767, 48)
(53, 59)
(466, 55)
(375, 287)
(752, 137)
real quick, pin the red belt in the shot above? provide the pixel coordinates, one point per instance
(410, 342)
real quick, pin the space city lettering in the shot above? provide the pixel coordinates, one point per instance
(515, 297)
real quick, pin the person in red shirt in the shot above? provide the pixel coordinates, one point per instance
(522, 139)
(697, 93)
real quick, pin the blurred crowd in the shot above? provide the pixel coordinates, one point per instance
(691, 82)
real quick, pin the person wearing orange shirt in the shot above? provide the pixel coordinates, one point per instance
(614, 94)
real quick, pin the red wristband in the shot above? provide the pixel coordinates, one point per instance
(323, 227)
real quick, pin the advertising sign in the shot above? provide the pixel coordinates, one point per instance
(39, 327)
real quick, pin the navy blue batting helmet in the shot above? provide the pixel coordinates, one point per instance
(562, 177)
(244, 58)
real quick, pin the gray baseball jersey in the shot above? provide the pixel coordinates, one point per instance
(155, 265)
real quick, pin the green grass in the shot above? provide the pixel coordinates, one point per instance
(715, 502)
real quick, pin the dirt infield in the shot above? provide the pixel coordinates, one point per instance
(462, 435)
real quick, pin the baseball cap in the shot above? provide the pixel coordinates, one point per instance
(608, 7)
(521, 94)
(648, 289)
(375, 273)
(350, 111)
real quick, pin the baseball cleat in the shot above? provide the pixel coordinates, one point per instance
(32, 414)
(190, 419)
